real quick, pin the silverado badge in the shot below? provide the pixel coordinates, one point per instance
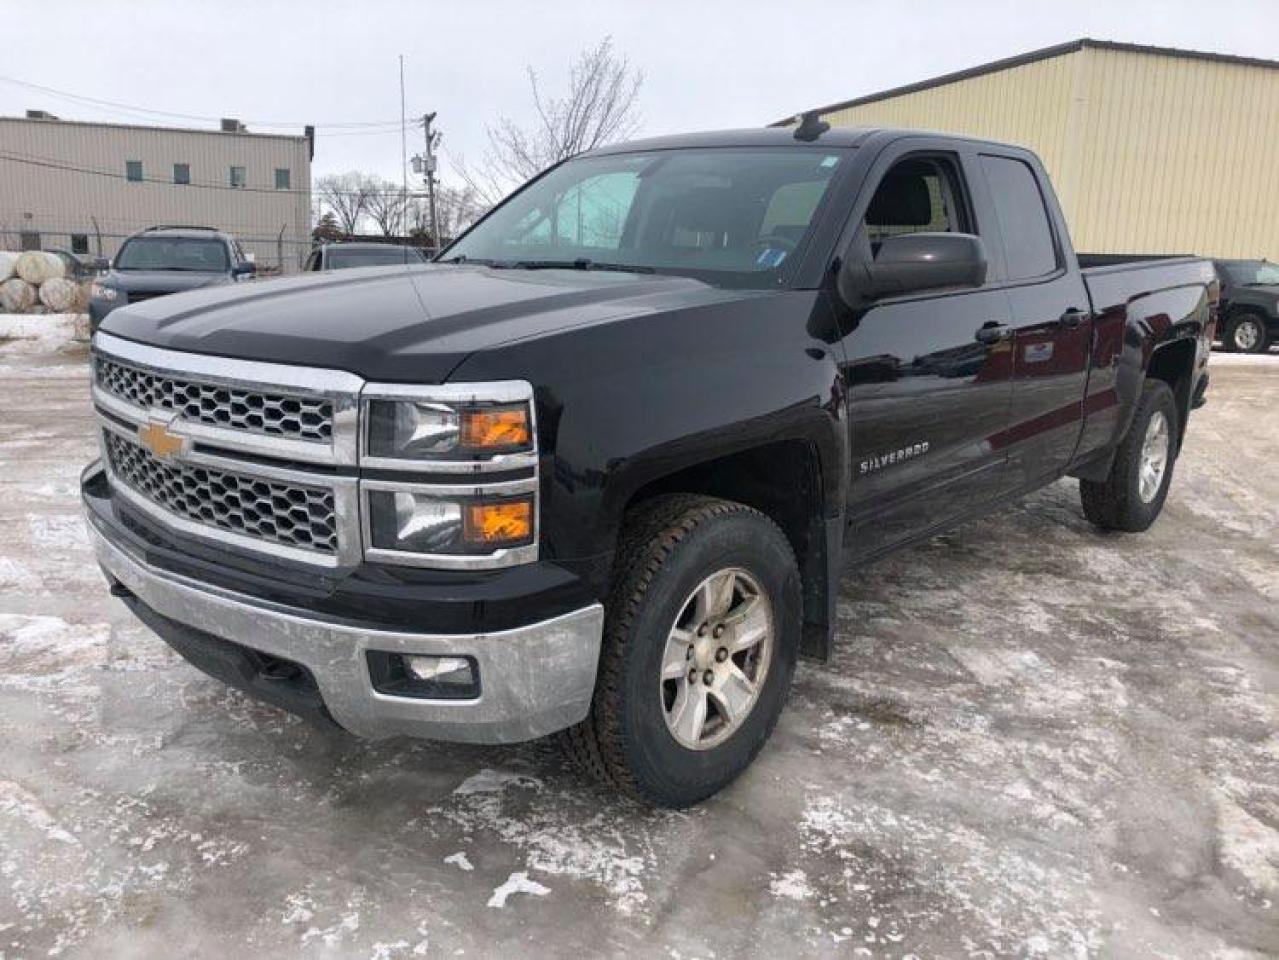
(155, 436)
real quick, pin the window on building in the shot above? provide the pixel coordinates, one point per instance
(133, 170)
(237, 176)
(29, 240)
(282, 178)
(182, 173)
(1023, 219)
(79, 243)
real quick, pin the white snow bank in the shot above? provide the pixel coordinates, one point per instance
(42, 332)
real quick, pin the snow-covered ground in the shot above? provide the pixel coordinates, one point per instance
(1034, 740)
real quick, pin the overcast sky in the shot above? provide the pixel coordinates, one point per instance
(707, 63)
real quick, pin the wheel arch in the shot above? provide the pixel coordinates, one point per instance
(788, 481)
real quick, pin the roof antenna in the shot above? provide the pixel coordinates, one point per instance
(811, 126)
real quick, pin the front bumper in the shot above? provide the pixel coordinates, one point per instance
(534, 679)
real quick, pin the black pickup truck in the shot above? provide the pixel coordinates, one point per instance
(595, 471)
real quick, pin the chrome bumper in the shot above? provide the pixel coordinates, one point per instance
(534, 680)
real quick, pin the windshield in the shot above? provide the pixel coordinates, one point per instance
(1252, 273)
(339, 259)
(732, 216)
(172, 253)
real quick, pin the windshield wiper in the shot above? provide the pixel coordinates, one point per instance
(463, 258)
(581, 263)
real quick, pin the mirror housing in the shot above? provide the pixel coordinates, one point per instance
(100, 264)
(914, 262)
(245, 268)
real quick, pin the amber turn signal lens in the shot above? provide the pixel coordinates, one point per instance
(505, 522)
(496, 427)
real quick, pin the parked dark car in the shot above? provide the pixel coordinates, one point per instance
(596, 472)
(164, 260)
(342, 256)
(1249, 304)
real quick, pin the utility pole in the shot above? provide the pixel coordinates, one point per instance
(428, 164)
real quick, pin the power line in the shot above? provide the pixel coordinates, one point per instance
(58, 165)
(133, 108)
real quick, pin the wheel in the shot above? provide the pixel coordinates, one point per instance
(1246, 333)
(1131, 497)
(700, 639)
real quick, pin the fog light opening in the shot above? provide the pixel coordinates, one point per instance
(425, 677)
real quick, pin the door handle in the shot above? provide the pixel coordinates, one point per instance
(992, 332)
(1073, 318)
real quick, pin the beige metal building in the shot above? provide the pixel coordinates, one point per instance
(1152, 150)
(86, 186)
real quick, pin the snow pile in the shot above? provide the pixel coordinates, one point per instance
(42, 333)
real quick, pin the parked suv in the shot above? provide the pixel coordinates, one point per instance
(167, 259)
(1249, 304)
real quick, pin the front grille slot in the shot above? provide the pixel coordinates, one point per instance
(291, 514)
(233, 408)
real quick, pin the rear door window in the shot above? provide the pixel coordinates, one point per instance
(1023, 218)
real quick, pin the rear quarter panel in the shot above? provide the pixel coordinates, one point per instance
(1139, 308)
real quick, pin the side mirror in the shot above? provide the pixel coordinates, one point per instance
(245, 268)
(101, 264)
(914, 262)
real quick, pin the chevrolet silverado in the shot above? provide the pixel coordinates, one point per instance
(596, 470)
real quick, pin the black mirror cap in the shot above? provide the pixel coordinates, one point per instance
(915, 262)
(245, 268)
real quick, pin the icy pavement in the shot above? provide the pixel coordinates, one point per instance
(1034, 741)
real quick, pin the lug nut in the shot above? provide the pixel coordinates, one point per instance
(719, 631)
(708, 678)
(701, 631)
(692, 675)
(721, 654)
(688, 654)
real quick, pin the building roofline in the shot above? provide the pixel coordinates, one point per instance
(1034, 56)
(154, 129)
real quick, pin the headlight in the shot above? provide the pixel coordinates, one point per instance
(438, 426)
(100, 291)
(425, 522)
(454, 474)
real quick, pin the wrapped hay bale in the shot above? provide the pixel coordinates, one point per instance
(36, 266)
(7, 263)
(16, 295)
(59, 294)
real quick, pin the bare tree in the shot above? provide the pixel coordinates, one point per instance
(347, 196)
(600, 107)
(456, 207)
(386, 204)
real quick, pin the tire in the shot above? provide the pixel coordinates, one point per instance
(1118, 503)
(1246, 333)
(670, 549)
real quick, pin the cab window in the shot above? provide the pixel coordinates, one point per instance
(917, 195)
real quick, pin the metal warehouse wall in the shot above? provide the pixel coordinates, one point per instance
(38, 193)
(1150, 153)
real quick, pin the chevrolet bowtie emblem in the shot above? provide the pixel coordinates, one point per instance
(155, 436)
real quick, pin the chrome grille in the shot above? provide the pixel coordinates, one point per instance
(286, 513)
(271, 414)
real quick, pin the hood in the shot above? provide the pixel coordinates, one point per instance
(398, 324)
(155, 281)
